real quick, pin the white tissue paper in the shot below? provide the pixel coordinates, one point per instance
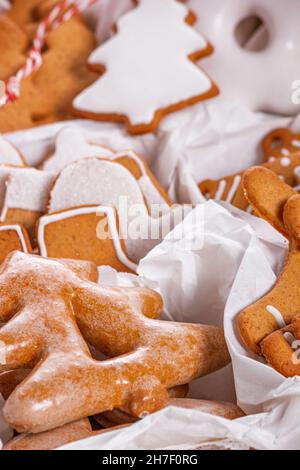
(238, 261)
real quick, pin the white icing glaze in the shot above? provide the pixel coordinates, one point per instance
(150, 52)
(285, 152)
(297, 172)
(277, 315)
(8, 154)
(24, 188)
(71, 146)
(295, 345)
(94, 182)
(296, 143)
(100, 182)
(233, 189)
(285, 162)
(270, 92)
(220, 190)
(112, 223)
(18, 230)
(231, 193)
(290, 338)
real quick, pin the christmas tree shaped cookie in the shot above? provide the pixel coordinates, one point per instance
(148, 68)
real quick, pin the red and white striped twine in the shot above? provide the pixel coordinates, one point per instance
(62, 12)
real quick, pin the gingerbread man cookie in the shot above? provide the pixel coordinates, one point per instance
(271, 326)
(58, 309)
(153, 51)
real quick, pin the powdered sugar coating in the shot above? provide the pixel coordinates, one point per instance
(24, 188)
(59, 308)
(70, 146)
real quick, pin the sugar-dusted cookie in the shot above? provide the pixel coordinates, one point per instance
(153, 51)
(271, 325)
(110, 184)
(230, 188)
(70, 146)
(58, 437)
(51, 310)
(12, 238)
(75, 234)
(223, 409)
(23, 195)
(280, 143)
(10, 379)
(9, 155)
(50, 440)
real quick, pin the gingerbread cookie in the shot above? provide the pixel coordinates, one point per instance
(225, 410)
(47, 95)
(71, 146)
(13, 237)
(154, 43)
(110, 185)
(150, 187)
(115, 417)
(10, 379)
(59, 309)
(270, 326)
(9, 155)
(230, 189)
(50, 440)
(25, 12)
(75, 234)
(56, 438)
(23, 196)
(280, 143)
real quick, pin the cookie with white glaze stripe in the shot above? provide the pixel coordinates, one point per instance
(262, 325)
(154, 50)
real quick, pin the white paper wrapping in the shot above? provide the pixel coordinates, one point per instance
(237, 263)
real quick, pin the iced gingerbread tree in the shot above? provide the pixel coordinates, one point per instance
(148, 68)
